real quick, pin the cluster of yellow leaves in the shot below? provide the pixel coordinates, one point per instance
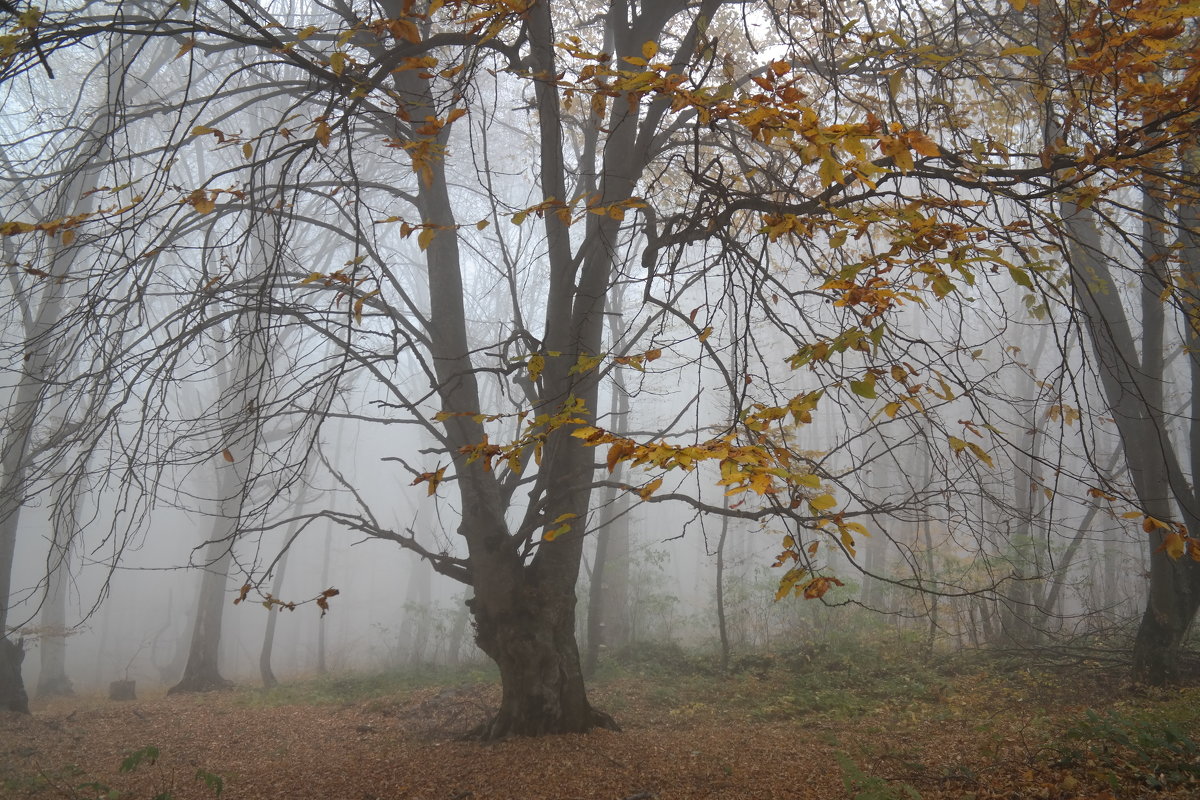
(763, 468)
(432, 478)
(532, 436)
(63, 227)
(777, 112)
(1176, 543)
(346, 282)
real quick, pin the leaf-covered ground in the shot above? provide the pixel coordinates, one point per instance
(824, 725)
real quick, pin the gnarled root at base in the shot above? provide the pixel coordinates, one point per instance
(201, 684)
(503, 725)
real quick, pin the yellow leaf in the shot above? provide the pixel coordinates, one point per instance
(185, 47)
(425, 237)
(649, 50)
(200, 201)
(536, 364)
(1174, 545)
(823, 502)
(483, 223)
(649, 488)
(1026, 50)
(923, 144)
(981, 454)
(761, 483)
(551, 535)
(1018, 5)
(434, 480)
(323, 133)
(704, 334)
(358, 305)
(810, 480)
(68, 236)
(247, 150)
(830, 172)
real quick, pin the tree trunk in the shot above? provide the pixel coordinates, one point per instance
(268, 646)
(1174, 599)
(52, 677)
(1129, 383)
(202, 672)
(722, 628)
(321, 666)
(12, 688)
(604, 603)
(534, 646)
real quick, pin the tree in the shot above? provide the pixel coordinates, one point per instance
(768, 180)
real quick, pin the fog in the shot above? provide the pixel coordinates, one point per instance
(514, 342)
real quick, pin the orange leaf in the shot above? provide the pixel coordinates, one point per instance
(649, 488)
(1174, 544)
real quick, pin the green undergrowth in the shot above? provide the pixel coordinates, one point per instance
(1155, 744)
(350, 688)
(846, 677)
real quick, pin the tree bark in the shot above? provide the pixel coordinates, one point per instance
(202, 672)
(533, 643)
(52, 677)
(268, 646)
(1174, 593)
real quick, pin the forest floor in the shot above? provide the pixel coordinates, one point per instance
(860, 722)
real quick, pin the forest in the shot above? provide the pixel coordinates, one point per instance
(408, 388)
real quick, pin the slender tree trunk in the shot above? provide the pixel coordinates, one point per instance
(322, 668)
(52, 677)
(722, 628)
(268, 646)
(202, 672)
(604, 602)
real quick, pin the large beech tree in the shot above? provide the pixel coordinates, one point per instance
(455, 192)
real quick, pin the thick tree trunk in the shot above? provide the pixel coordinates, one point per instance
(12, 688)
(534, 646)
(1174, 599)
